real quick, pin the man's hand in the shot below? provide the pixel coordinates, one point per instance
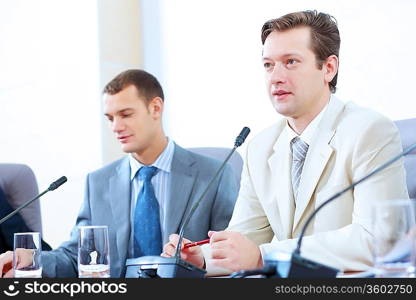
(233, 251)
(191, 254)
(6, 264)
(24, 258)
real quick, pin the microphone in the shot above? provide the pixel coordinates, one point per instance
(241, 137)
(294, 265)
(53, 186)
(176, 267)
(238, 141)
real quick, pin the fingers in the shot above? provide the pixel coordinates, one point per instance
(6, 260)
(211, 232)
(169, 249)
(219, 253)
(24, 257)
(225, 263)
(191, 254)
(9, 274)
(216, 236)
(173, 238)
(188, 253)
(222, 244)
(192, 250)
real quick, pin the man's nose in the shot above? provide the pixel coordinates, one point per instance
(278, 74)
(117, 125)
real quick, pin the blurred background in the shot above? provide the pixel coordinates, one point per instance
(56, 56)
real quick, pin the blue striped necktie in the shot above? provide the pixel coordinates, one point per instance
(299, 150)
(147, 230)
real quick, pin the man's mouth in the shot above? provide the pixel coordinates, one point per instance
(281, 94)
(123, 138)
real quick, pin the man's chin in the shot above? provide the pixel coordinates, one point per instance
(284, 110)
(127, 149)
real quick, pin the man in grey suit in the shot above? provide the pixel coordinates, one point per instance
(116, 195)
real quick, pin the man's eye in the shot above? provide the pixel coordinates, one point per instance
(291, 61)
(267, 65)
(126, 115)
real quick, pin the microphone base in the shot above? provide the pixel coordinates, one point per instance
(295, 266)
(162, 267)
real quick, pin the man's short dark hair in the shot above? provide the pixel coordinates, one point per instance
(325, 39)
(146, 84)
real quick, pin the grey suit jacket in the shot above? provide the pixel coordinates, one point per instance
(107, 202)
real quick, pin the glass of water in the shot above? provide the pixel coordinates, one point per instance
(93, 252)
(27, 252)
(394, 232)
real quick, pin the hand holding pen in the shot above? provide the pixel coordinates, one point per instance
(189, 252)
(192, 244)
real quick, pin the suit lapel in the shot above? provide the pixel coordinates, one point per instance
(317, 157)
(120, 194)
(181, 187)
(281, 186)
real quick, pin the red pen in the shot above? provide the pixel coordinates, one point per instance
(187, 245)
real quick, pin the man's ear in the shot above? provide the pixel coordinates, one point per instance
(331, 67)
(155, 108)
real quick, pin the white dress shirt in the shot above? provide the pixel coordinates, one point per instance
(308, 134)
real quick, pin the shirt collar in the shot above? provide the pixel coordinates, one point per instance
(309, 132)
(163, 162)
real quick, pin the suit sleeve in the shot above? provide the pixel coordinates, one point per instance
(249, 217)
(62, 262)
(224, 200)
(350, 247)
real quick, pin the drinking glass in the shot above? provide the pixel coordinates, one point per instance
(93, 252)
(27, 250)
(394, 232)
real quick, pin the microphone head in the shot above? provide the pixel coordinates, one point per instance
(242, 137)
(58, 183)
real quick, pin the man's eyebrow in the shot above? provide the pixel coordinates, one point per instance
(285, 55)
(292, 54)
(120, 111)
(125, 110)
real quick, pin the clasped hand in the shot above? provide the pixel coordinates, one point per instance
(24, 258)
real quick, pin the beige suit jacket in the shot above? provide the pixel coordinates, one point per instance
(349, 143)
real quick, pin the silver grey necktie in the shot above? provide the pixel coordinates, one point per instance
(299, 150)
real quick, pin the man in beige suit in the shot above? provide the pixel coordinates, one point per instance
(320, 147)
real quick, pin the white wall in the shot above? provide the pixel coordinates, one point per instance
(49, 102)
(214, 77)
(119, 37)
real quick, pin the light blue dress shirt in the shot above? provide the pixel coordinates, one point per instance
(160, 182)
